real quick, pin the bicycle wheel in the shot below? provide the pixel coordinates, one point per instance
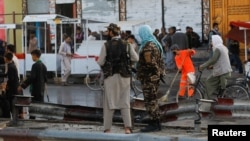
(196, 95)
(94, 80)
(235, 91)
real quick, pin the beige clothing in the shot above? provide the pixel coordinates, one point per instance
(65, 61)
(116, 96)
(117, 88)
(32, 44)
(116, 92)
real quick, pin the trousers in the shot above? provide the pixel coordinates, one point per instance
(66, 68)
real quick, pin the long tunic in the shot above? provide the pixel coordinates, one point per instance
(32, 44)
(117, 88)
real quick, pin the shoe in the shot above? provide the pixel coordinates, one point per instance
(154, 125)
(65, 84)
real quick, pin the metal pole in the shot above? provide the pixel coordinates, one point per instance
(25, 47)
(14, 31)
(162, 13)
(61, 30)
(23, 39)
(245, 40)
(45, 38)
(74, 38)
(56, 50)
(197, 121)
(7, 35)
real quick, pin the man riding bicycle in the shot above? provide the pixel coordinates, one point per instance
(220, 63)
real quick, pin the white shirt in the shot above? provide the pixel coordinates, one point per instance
(16, 62)
(91, 37)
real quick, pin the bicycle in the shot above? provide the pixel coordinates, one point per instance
(246, 79)
(95, 81)
(235, 90)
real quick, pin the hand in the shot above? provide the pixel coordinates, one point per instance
(180, 69)
(162, 78)
(133, 70)
(210, 67)
(69, 55)
(200, 68)
(19, 89)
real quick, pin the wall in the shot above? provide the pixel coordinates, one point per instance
(184, 13)
(101, 10)
(177, 12)
(145, 10)
(2, 20)
(10, 7)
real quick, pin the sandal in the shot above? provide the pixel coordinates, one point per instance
(107, 131)
(128, 130)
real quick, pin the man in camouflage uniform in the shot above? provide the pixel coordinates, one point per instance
(150, 69)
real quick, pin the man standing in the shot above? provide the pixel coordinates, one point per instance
(37, 78)
(11, 49)
(11, 86)
(32, 42)
(66, 55)
(214, 31)
(150, 69)
(167, 43)
(180, 38)
(116, 86)
(131, 39)
(79, 35)
(220, 64)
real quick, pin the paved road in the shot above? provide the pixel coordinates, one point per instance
(80, 94)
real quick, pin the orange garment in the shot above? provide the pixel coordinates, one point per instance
(184, 63)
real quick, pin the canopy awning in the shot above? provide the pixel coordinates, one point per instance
(7, 26)
(241, 33)
(241, 24)
(64, 1)
(42, 17)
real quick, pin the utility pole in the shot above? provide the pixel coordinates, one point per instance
(14, 31)
(162, 13)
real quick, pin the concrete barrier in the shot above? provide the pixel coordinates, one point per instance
(48, 134)
(231, 108)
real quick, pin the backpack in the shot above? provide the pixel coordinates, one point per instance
(117, 59)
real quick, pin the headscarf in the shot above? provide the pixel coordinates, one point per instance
(217, 42)
(146, 35)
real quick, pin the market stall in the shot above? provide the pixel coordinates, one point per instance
(50, 59)
(241, 33)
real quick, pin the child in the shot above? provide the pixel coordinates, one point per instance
(12, 83)
(185, 66)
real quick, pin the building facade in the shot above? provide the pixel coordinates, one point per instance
(11, 13)
(199, 14)
(180, 13)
